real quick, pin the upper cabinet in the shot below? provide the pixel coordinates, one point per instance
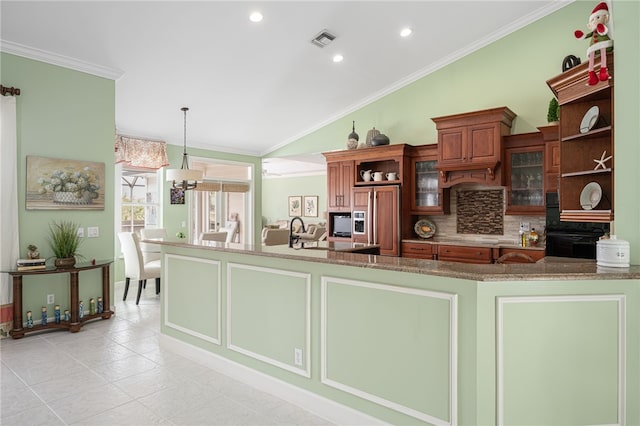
(524, 173)
(385, 164)
(427, 197)
(470, 146)
(339, 183)
(586, 143)
(381, 165)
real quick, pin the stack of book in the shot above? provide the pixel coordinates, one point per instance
(31, 264)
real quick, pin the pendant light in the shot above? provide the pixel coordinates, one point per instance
(184, 178)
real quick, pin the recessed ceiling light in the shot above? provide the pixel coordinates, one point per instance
(406, 32)
(255, 17)
(338, 58)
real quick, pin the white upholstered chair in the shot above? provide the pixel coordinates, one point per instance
(231, 228)
(214, 236)
(151, 251)
(135, 268)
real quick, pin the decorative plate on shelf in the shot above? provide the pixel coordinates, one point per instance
(590, 119)
(590, 195)
(424, 228)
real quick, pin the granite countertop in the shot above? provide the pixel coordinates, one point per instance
(547, 269)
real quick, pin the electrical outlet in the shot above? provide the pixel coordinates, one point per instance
(80, 232)
(525, 226)
(297, 356)
(51, 299)
(183, 224)
(93, 231)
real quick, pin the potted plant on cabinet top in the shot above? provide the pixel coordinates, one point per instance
(553, 114)
(64, 241)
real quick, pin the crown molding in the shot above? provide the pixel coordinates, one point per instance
(59, 60)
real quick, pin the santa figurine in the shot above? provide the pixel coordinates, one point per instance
(599, 41)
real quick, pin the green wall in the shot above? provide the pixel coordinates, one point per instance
(276, 192)
(512, 72)
(62, 114)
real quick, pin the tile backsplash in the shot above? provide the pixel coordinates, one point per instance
(480, 212)
(492, 201)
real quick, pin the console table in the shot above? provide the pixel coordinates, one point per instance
(75, 322)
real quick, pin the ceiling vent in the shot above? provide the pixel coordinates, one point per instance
(323, 38)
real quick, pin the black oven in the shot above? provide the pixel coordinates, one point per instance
(570, 239)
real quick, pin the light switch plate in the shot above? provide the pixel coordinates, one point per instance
(93, 231)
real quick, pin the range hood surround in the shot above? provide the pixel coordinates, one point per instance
(470, 146)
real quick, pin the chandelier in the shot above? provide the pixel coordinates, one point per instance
(184, 178)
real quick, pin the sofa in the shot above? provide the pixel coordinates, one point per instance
(275, 236)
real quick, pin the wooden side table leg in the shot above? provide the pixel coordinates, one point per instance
(105, 293)
(17, 331)
(73, 289)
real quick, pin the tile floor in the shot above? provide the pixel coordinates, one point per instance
(114, 372)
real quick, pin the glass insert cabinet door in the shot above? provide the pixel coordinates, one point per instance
(527, 176)
(426, 184)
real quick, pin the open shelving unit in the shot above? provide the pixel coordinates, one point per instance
(578, 148)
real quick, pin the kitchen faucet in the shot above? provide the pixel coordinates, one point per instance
(295, 238)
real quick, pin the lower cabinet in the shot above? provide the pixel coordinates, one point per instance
(465, 254)
(418, 250)
(514, 255)
(469, 254)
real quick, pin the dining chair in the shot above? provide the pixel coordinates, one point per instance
(134, 265)
(231, 228)
(213, 236)
(151, 251)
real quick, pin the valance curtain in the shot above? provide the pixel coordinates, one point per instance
(9, 249)
(141, 153)
(224, 187)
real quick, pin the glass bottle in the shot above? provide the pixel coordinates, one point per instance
(533, 237)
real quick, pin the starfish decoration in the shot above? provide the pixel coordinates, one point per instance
(602, 160)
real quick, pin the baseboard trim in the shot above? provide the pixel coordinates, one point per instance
(330, 410)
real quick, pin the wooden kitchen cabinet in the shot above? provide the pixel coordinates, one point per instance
(340, 179)
(470, 146)
(550, 135)
(465, 254)
(385, 159)
(427, 197)
(418, 250)
(534, 254)
(583, 141)
(524, 174)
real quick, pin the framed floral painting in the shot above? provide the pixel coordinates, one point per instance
(310, 205)
(58, 184)
(295, 206)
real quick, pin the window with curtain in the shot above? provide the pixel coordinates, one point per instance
(138, 171)
(141, 153)
(139, 199)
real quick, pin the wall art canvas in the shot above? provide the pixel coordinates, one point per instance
(310, 205)
(60, 184)
(295, 206)
(177, 196)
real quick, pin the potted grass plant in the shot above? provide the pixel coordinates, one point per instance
(64, 241)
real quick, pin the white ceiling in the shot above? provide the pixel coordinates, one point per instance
(252, 88)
